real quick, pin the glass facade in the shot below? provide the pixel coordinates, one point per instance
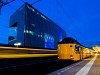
(49, 41)
(13, 32)
(36, 29)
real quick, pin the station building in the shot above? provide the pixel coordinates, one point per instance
(31, 28)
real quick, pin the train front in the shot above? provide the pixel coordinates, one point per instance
(68, 49)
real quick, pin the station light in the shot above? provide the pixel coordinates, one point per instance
(17, 44)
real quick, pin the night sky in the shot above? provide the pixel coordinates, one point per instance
(79, 18)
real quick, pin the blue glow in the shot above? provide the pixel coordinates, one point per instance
(81, 21)
(49, 43)
(60, 34)
(13, 33)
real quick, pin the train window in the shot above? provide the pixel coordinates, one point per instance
(70, 45)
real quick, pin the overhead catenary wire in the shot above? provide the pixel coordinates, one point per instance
(32, 3)
(35, 2)
(16, 8)
(66, 14)
(3, 3)
(64, 11)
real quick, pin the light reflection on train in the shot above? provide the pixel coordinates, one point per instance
(70, 49)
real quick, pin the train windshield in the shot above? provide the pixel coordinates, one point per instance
(76, 49)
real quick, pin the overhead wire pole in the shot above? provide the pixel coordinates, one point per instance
(3, 3)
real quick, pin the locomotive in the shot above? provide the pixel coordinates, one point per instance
(71, 49)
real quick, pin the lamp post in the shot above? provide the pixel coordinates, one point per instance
(17, 44)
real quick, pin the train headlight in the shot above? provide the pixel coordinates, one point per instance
(71, 57)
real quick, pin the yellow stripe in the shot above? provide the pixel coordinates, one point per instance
(24, 55)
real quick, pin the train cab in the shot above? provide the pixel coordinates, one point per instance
(69, 49)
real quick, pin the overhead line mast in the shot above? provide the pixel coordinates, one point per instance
(4, 2)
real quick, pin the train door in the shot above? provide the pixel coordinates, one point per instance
(81, 53)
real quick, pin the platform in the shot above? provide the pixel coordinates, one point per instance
(89, 66)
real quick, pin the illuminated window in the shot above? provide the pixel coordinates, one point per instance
(26, 31)
(31, 8)
(38, 13)
(13, 32)
(41, 35)
(44, 17)
(29, 32)
(33, 25)
(38, 35)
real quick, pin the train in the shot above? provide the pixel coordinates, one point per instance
(71, 49)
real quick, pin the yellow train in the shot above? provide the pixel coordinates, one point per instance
(70, 49)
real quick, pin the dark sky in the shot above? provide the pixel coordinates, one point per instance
(79, 18)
